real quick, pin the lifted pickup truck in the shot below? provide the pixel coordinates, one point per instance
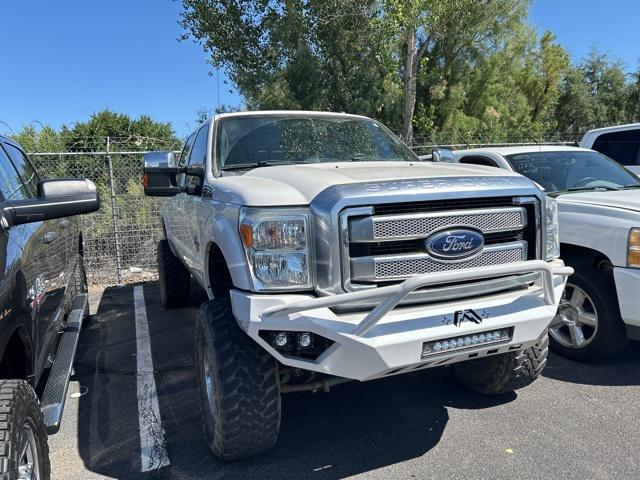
(599, 209)
(330, 253)
(44, 300)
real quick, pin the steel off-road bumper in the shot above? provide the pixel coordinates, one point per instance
(388, 341)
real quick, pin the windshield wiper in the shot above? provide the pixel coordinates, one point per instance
(578, 189)
(244, 166)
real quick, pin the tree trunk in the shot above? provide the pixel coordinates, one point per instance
(409, 88)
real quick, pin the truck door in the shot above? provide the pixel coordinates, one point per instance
(44, 260)
(175, 219)
(192, 204)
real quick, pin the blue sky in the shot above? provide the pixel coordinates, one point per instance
(65, 59)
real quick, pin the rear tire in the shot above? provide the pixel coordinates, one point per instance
(23, 437)
(500, 374)
(238, 383)
(174, 278)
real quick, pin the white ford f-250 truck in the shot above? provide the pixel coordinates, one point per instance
(329, 252)
(599, 210)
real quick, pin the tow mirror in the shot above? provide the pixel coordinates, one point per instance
(57, 198)
(442, 155)
(161, 174)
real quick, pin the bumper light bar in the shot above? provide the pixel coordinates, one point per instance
(462, 342)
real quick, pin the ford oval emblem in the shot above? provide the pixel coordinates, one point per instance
(454, 244)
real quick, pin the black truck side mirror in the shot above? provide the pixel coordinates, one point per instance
(56, 198)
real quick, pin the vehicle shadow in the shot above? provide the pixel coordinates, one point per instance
(621, 370)
(357, 427)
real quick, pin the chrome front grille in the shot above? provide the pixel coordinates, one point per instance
(382, 248)
(371, 269)
(421, 225)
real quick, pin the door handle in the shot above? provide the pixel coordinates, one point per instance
(64, 223)
(49, 237)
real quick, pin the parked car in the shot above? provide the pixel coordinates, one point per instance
(621, 143)
(308, 229)
(44, 300)
(599, 210)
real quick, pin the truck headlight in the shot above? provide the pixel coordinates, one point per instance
(633, 248)
(277, 244)
(552, 237)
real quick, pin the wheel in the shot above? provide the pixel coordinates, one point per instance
(588, 325)
(500, 374)
(174, 278)
(24, 452)
(238, 383)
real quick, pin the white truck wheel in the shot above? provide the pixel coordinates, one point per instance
(174, 278)
(239, 386)
(588, 325)
(500, 374)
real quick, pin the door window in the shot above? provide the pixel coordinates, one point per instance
(25, 170)
(198, 154)
(184, 155)
(623, 146)
(11, 185)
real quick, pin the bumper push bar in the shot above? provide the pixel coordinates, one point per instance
(392, 295)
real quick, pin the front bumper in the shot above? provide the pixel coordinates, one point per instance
(628, 288)
(389, 341)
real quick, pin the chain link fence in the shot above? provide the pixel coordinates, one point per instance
(120, 239)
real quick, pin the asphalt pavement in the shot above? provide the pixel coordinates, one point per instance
(576, 422)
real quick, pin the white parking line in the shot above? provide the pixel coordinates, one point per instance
(153, 445)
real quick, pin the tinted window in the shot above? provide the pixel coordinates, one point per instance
(273, 139)
(26, 171)
(623, 147)
(10, 184)
(478, 161)
(198, 153)
(184, 155)
(572, 170)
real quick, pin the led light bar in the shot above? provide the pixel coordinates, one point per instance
(462, 342)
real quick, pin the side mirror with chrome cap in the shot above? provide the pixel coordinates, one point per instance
(442, 155)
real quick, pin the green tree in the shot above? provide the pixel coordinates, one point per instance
(315, 54)
(45, 139)
(142, 133)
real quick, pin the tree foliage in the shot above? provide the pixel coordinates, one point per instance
(456, 70)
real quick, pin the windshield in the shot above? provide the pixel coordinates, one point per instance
(569, 170)
(246, 142)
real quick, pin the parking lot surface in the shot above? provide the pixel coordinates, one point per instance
(578, 421)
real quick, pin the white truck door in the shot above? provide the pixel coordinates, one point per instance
(194, 206)
(175, 219)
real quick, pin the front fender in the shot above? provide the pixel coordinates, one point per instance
(221, 228)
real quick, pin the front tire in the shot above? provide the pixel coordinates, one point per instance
(238, 383)
(174, 278)
(588, 325)
(23, 437)
(505, 373)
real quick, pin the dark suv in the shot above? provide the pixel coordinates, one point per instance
(44, 301)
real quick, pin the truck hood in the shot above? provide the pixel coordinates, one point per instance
(299, 184)
(624, 199)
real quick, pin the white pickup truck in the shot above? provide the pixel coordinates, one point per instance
(599, 210)
(620, 143)
(329, 253)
